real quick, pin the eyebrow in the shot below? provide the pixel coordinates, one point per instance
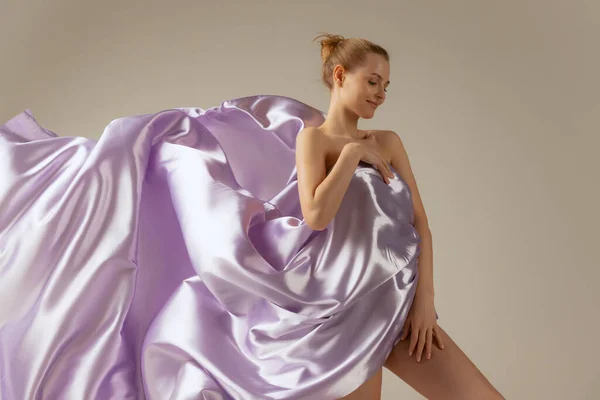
(380, 77)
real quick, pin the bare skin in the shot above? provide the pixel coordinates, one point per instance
(334, 145)
(338, 145)
(449, 374)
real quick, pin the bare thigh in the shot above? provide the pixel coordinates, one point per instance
(449, 374)
(370, 390)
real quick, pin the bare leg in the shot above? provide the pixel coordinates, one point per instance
(449, 374)
(370, 390)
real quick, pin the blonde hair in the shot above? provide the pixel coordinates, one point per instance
(347, 52)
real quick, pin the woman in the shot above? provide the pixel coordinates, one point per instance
(194, 253)
(357, 72)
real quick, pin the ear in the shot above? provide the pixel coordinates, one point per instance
(338, 73)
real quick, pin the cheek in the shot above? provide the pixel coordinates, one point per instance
(359, 100)
(360, 93)
(351, 95)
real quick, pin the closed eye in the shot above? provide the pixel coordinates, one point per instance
(375, 83)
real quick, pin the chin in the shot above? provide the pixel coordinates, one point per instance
(367, 114)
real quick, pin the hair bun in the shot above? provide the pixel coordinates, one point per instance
(328, 44)
(346, 52)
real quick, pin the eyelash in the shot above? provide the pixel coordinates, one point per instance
(374, 83)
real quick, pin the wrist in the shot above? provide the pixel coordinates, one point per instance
(352, 150)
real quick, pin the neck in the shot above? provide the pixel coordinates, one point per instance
(341, 122)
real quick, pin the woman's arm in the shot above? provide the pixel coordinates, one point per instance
(321, 194)
(401, 163)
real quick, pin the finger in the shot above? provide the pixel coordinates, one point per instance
(381, 169)
(384, 171)
(414, 339)
(429, 343)
(388, 170)
(438, 338)
(421, 346)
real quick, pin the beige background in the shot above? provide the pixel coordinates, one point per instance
(498, 104)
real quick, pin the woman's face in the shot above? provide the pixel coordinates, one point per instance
(364, 89)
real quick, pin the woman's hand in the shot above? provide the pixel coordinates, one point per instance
(368, 152)
(422, 324)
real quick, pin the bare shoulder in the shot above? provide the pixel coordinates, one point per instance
(310, 146)
(314, 139)
(386, 136)
(389, 142)
(310, 135)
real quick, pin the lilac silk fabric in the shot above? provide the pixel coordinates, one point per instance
(170, 260)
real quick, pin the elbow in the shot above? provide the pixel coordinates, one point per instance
(315, 221)
(313, 212)
(316, 226)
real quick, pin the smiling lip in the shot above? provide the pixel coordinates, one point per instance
(373, 104)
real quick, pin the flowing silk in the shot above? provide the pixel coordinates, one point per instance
(170, 260)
